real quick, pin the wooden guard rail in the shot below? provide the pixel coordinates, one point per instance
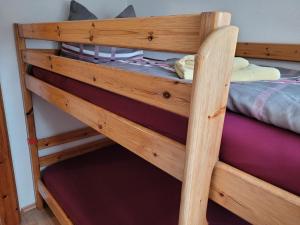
(66, 137)
(168, 94)
(74, 151)
(152, 33)
(287, 52)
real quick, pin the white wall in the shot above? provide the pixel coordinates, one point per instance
(49, 119)
(274, 21)
(259, 20)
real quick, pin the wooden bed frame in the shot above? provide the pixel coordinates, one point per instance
(196, 164)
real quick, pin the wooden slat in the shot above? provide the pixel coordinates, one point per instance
(66, 137)
(29, 115)
(211, 81)
(288, 52)
(253, 199)
(161, 92)
(153, 147)
(54, 206)
(75, 151)
(152, 33)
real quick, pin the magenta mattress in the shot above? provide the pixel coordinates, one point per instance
(265, 151)
(112, 186)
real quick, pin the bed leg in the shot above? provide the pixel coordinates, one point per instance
(208, 106)
(29, 116)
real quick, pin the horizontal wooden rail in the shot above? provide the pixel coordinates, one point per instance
(152, 33)
(153, 147)
(254, 200)
(287, 52)
(169, 94)
(66, 137)
(75, 151)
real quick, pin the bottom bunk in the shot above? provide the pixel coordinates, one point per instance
(113, 186)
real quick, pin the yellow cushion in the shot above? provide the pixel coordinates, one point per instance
(254, 73)
(185, 66)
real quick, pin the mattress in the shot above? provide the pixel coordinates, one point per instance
(112, 186)
(267, 152)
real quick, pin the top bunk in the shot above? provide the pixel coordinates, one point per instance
(181, 34)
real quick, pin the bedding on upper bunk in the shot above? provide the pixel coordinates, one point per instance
(265, 151)
(122, 189)
(96, 53)
(274, 102)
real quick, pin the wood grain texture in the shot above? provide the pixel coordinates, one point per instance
(66, 137)
(152, 33)
(54, 206)
(29, 114)
(169, 94)
(208, 105)
(9, 205)
(253, 199)
(287, 52)
(73, 152)
(153, 147)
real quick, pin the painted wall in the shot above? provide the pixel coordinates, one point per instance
(49, 119)
(258, 20)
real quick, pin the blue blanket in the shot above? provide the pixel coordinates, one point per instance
(273, 102)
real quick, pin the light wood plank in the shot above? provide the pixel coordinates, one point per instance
(209, 99)
(169, 94)
(152, 33)
(66, 137)
(153, 147)
(29, 115)
(9, 205)
(73, 152)
(288, 52)
(253, 199)
(54, 206)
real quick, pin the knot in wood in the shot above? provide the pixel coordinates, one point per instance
(166, 94)
(150, 36)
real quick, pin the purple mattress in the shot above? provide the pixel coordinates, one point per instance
(267, 152)
(112, 186)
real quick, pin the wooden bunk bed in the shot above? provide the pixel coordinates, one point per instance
(196, 163)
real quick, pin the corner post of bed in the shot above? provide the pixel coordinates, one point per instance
(29, 115)
(212, 73)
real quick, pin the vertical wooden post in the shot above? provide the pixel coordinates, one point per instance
(28, 110)
(9, 206)
(209, 98)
